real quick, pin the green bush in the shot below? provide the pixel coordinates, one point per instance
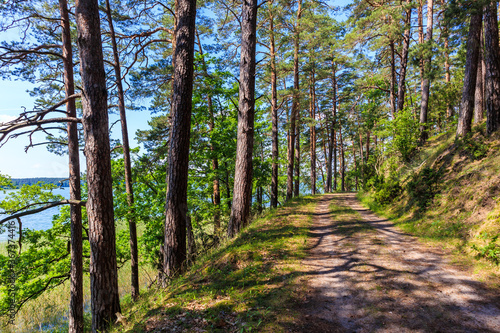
(406, 132)
(490, 251)
(474, 148)
(385, 191)
(424, 186)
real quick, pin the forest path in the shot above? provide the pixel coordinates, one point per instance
(365, 275)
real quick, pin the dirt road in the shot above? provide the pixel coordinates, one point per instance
(365, 275)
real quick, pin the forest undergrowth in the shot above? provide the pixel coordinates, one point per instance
(449, 194)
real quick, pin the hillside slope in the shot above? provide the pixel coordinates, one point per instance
(247, 284)
(450, 194)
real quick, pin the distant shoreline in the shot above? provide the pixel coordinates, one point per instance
(61, 182)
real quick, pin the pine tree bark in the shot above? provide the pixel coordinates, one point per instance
(426, 83)
(76, 323)
(479, 93)
(176, 203)
(355, 165)
(467, 103)
(447, 76)
(392, 93)
(295, 107)
(127, 163)
(242, 193)
(492, 68)
(404, 59)
(312, 131)
(105, 302)
(420, 18)
(342, 160)
(296, 189)
(367, 150)
(274, 115)
(332, 153)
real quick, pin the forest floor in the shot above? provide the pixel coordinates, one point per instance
(365, 275)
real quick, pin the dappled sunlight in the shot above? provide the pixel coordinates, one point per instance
(363, 280)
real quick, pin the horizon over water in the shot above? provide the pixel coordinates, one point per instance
(38, 221)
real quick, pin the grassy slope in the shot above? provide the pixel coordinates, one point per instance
(465, 211)
(245, 285)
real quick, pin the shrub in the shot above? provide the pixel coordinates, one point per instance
(385, 191)
(424, 186)
(490, 251)
(474, 148)
(405, 129)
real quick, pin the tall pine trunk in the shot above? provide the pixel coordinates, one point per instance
(479, 93)
(312, 131)
(274, 115)
(392, 93)
(404, 59)
(176, 203)
(295, 107)
(296, 189)
(75, 324)
(332, 154)
(342, 160)
(492, 68)
(426, 83)
(134, 259)
(242, 193)
(467, 103)
(105, 300)
(447, 76)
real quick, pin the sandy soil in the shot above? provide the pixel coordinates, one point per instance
(382, 280)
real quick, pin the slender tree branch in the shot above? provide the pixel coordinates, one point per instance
(19, 213)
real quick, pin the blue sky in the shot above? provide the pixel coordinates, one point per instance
(38, 162)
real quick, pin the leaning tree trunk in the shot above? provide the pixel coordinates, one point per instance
(134, 260)
(105, 301)
(426, 83)
(492, 68)
(467, 103)
(242, 193)
(404, 60)
(75, 324)
(176, 206)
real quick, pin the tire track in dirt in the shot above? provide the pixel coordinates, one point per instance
(374, 278)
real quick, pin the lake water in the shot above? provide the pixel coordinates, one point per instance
(39, 221)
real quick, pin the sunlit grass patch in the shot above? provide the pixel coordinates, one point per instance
(248, 284)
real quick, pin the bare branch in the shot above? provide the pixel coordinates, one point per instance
(20, 213)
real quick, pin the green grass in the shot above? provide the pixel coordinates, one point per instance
(247, 284)
(465, 207)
